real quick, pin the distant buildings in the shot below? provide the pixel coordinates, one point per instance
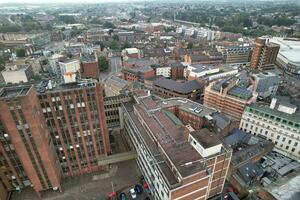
(238, 55)
(169, 88)
(163, 142)
(278, 123)
(17, 73)
(264, 54)
(230, 96)
(202, 59)
(131, 53)
(172, 70)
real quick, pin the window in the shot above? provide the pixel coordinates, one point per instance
(293, 149)
(278, 137)
(287, 147)
(289, 141)
(283, 139)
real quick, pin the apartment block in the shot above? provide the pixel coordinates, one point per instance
(27, 150)
(163, 142)
(279, 123)
(264, 54)
(75, 116)
(229, 96)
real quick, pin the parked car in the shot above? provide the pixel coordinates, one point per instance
(138, 189)
(132, 193)
(122, 196)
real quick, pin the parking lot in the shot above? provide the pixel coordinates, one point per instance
(91, 186)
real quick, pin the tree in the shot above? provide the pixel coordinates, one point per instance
(113, 44)
(20, 52)
(190, 45)
(115, 37)
(126, 45)
(102, 63)
(2, 63)
(67, 19)
(108, 25)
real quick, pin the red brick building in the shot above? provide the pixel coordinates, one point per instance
(163, 141)
(89, 67)
(137, 73)
(50, 135)
(26, 145)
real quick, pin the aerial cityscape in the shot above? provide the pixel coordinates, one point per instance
(150, 100)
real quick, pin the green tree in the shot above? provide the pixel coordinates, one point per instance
(67, 19)
(113, 44)
(190, 45)
(102, 63)
(115, 37)
(108, 25)
(126, 45)
(20, 52)
(2, 63)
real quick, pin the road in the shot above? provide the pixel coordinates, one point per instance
(115, 66)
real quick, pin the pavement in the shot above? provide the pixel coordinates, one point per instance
(94, 186)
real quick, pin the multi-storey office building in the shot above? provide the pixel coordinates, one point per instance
(27, 151)
(45, 136)
(238, 55)
(176, 161)
(229, 96)
(113, 111)
(264, 54)
(76, 119)
(279, 123)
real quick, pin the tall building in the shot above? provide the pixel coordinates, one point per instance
(27, 150)
(76, 119)
(279, 123)
(230, 96)
(238, 55)
(264, 54)
(177, 161)
(51, 135)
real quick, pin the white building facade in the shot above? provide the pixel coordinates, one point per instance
(277, 123)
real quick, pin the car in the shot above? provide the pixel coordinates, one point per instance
(132, 193)
(138, 189)
(122, 196)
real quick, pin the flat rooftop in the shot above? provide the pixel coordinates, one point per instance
(169, 133)
(16, 91)
(179, 87)
(188, 106)
(206, 138)
(289, 48)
